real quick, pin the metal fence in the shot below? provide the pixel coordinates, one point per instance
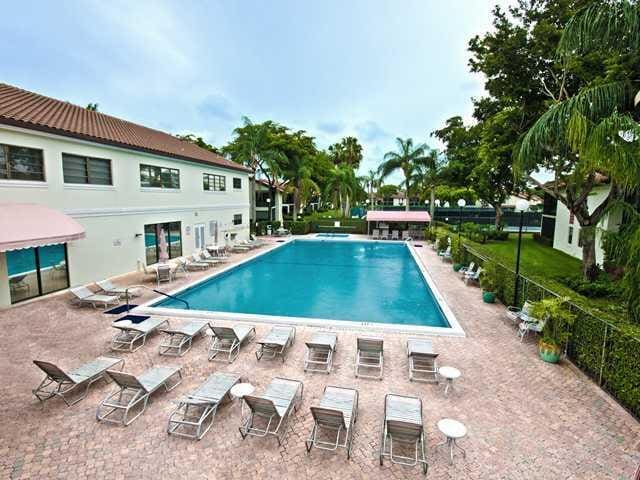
(607, 353)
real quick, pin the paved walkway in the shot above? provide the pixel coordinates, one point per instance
(526, 419)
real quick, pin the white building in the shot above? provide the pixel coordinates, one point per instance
(566, 234)
(125, 184)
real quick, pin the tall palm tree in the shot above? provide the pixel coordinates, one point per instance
(406, 159)
(298, 172)
(371, 183)
(428, 176)
(341, 187)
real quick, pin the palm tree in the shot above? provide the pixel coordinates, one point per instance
(428, 175)
(254, 146)
(592, 132)
(341, 187)
(371, 183)
(301, 185)
(407, 158)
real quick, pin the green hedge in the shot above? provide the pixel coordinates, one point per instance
(618, 370)
(298, 228)
(261, 226)
(326, 225)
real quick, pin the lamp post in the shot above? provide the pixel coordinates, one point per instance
(461, 204)
(269, 207)
(521, 206)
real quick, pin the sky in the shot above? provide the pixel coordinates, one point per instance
(374, 69)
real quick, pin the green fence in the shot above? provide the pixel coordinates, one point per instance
(608, 353)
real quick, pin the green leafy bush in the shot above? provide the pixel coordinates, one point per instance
(601, 287)
(490, 278)
(442, 242)
(558, 318)
(298, 228)
(347, 225)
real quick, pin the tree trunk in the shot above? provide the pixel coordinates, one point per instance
(407, 174)
(498, 221)
(590, 268)
(296, 202)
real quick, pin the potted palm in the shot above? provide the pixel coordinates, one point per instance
(489, 282)
(456, 254)
(557, 319)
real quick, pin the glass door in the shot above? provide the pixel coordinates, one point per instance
(198, 233)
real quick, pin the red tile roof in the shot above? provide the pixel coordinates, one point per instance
(36, 112)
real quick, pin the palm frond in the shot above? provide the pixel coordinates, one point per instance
(566, 123)
(603, 24)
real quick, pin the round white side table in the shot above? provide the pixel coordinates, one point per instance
(449, 374)
(239, 390)
(453, 431)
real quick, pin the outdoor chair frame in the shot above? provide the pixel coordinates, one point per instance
(178, 340)
(320, 350)
(84, 296)
(134, 391)
(423, 361)
(336, 415)
(274, 408)
(229, 340)
(195, 413)
(370, 355)
(276, 342)
(59, 383)
(125, 340)
(403, 424)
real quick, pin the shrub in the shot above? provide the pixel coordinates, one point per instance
(442, 242)
(457, 252)
(490, 278)
(601, 287)
(558, 319)
(298, 228)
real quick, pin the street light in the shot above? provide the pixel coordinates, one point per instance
(269, 207)
(461, 204)
(521, 206)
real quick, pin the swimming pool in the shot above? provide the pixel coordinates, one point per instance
(361, 281)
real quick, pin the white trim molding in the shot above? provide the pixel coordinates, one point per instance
(88, 186)
(110, 212)
(23, 183)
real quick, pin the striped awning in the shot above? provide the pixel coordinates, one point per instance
(398, 216)
(27, 225)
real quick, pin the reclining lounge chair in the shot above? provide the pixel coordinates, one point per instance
(403, 431)
(59, 383)
(276, 342)
(134, 391)
(84, 296)
(229, 340)
(131, 333)
(334, 420)
(320, 350)
(196, 411)
(423, 364)
(369, 355)
(269, 414)
(110, 289)
(178, 340)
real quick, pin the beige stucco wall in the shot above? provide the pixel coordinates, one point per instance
(561, 235)
(113, 215)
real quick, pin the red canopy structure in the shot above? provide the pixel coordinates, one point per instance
(25, 225)
(398, 216)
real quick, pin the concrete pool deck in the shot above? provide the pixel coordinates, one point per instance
(526, 419)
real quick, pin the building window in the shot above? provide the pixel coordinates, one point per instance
(237, 219)
(21, 163)
(92, 171)
(214, 183)
(570, 237)
(37, 271)
(237, 183)
(162, 240)
(159, 177)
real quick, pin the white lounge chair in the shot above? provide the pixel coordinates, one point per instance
(229, 340)
(473, 277)
(130, 333)
(196, 411)
(376, 234)
(403, 427)
(207, 257)
(276, 342)
(446, 255)
(468, 269)
(269, 413)
(178, 340)
(395, 235)
(370, 356)
(134, 392)
(110, 289)
(334, 419)
(84, 296)
(384, 234)
(59, 383)
(320, 350)
(200, 257)
(406, 237)
(191, 265)
(423, 364)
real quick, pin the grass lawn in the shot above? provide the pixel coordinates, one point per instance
(547, 266)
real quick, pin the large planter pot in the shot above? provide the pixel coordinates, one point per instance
(548, 352)
(488, 297)
(457, 267)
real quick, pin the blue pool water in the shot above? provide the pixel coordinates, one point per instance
(358, 281)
